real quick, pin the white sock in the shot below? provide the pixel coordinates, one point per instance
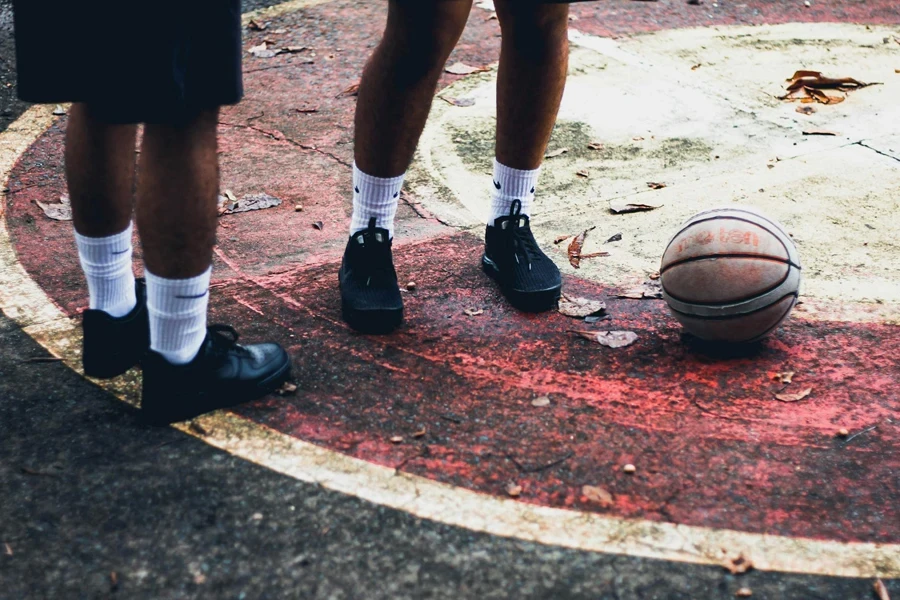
(177, 310)
(374, 197)
(509, 185)
(106, 262)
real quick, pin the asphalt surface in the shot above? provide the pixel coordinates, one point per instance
(95, 505)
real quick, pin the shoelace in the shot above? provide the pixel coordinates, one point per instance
(224, 339)
(520, 236)
(375, 260)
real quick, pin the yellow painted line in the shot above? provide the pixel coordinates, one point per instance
(278, 10)
(26, 303)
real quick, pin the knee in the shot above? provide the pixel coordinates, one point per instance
(534, 29)
(422, 34)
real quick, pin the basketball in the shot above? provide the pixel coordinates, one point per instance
(730, 275)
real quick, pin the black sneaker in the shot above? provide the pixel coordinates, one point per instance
(113, 345)
(512, 257)
(370, 296)
(223, 374)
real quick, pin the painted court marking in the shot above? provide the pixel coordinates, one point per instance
(28, 305)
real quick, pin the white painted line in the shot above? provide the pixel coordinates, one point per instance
(26, 303)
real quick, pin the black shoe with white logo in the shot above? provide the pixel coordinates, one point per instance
(527, 277)
(112, 345)
(370, 295)
(223, 374)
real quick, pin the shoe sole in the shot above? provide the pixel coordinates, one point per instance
(372, 321)
(534, 302)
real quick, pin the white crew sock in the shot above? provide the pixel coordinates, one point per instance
(106, 262)
(374, 197)
(177, 310)
(509, 185)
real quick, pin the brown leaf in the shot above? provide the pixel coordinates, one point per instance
(881, 590)
(286, 389)
(796, 397)
(615, 238)
(461, 68)
(307, 111)
(597, 495)
(541, 402)
(397, 439)
(58, 111)
(262, 51)
(58, 212)
(461, 102)
(420, 434)
(595, 146)
(571, 306)
(654, 276)
(575, 247)
(561, 239)
(806, 110)
(513, 490)
(738, 565)
(594, 255)
(815, 80)
(352, 90)
(819, 132)
(621, 208)
(651, 290)
(655, 185)
(230, 205)
(784, 377)
(583, 173)
(294, 49)
(474, 312)
(319, 225)
(557, 152)
(256, 25)
(695, 67)
(610, 339)
(744, 592)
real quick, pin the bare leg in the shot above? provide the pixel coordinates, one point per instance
(399, 81)
(534, 61)
(100, 173)
(176, 198)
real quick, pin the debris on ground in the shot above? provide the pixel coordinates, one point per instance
(597, 495)
(513, 490)
(843, 432)
(255, 25)
(583, 173)
(737, 565)
(420, 433)
(629, 469)
(575, 247)
(655, 185)
(58, 110)
(319, 225)
(229, 204)
(610, 339)
(562, 238)
(352, 90)
(474, 312)
(621, 208)
(197, 428)
(411, 286)
(286, 389)
(615, 238)
(806, 110)
(397, 439)
(808, 86)
(262, 51)
(595, 146)
(784, 377)
(651, 290)
(744, 592)
(572, 306)
(461, 102)
(541, 402)
(61, 211)
(461, 68)
(797, 397)
(557, 152)
(819, 132)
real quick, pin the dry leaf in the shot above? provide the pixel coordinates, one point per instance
(797, 397)
(579, 308)
(352, 90)
(743, 593)
(738, 565)
(541, 402)
(411, 286)
(651, 290)
(57, 212)
(256, 25)
(397, 439)
(461, 102)
(262, 51)
(474, 312)
(621, 208)
(843, 432)
(629, 469)
(229, 205)
(583, 173)
(595, 146)
(561, 239)
(784, 376)
(58, 110)
(819, 132)
(307, 111)
(420, 434)
(294, 49)
(575, 247)
(655, 185)
(196, 427)
(695, 67)
(286, 389)
(557, 152)
(881, 590)
(460, 68)
(815, 80)
(513, 490)
(319, 225)
(594, 255)
(597, 495)
(806, 110)
(615, 238)
(610, 339)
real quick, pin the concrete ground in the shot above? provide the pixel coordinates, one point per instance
(96, 505)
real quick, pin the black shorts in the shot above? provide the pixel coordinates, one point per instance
(133, 61)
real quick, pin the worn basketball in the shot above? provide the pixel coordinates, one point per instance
(730, 275)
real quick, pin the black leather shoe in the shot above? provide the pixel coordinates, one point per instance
(114, 345)
(370, 295)
(527, 277)
(223, 374)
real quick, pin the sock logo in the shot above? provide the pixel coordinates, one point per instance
(197, 297)
(122, 251)
(497, 185)
(397, 194)
(356, 189)
(532, 190)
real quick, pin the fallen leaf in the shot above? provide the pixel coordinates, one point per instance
(294, 49)
(652, 290)
(738, 565)
(557, 152)
(8, 549)
(411, 286)
(352, 90)
(230, 195)
(262, 51)
(230, 206)
(638, 138)
(307, 111)
(298, 208)
(256, 25)
(575, 247)
(784, 376)
(615, 238)
(881, 590)
(695, 67)
(461, 102)
(819, 132)
(397, 439)
(629, 469)
(286, 389)
(513, 490)
(420, 434)
(654, 276)
(319, 225)
(743, 593)
(621, 208)
(474, 312)
(59, 110)
(595, 146)
(561, 239)
(594, 255)
(655, 185)
(597, 495)
(806, 110)
(198, 428)
(610, 339)
(843, 432)
(461, 68)
(815, 80)
(796, 397)
(541, 402)
(58, 212)
(579, 308)
(583, 173)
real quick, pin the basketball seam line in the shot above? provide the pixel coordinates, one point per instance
(785, 261)
(729, 317)
(691, 224)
